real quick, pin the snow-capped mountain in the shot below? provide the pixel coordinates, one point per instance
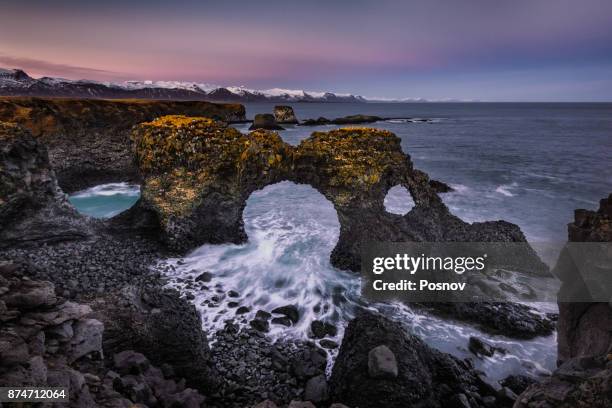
(15, 82)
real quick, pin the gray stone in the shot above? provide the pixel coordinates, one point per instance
(130, 362)
(382, 363)
(316, 389)
(87, 338)
(459, 401)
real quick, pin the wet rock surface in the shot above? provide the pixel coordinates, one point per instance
(88, 139)
(509, 319)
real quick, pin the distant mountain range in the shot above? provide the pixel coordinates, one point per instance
(15, 82)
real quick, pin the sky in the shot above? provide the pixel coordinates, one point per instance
(489, 50)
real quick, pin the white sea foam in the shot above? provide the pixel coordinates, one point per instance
(504, 189)
(110, 189)
(292, 230)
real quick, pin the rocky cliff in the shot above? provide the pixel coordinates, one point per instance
(48, 341)
(584, 376)
(88, 140)
(33, 210)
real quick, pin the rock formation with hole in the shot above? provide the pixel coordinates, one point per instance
(199, 173)
(88, 139)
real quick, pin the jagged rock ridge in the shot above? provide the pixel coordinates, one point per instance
(17, 83)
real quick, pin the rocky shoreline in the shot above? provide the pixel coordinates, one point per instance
(81, 307)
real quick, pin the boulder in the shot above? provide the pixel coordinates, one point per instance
(424, 377)
(316, 389)
(290, 311)
(87, 338)
(481, 348)
(161, 325)
(518, 383)
(265, 121)
(321, 329)
(382, 363)
(284, 115)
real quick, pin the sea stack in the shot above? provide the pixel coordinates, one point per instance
(265, 121)
(285, 115)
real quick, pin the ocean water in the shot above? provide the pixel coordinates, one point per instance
(106, 200)
(531, 164)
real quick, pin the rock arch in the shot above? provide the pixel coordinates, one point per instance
(198, 174)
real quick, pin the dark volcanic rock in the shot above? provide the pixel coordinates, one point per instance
(425, 377)
(33, 210)
(481, 348)
(356, 119)
(321, 329)
(440, 187)
(584, 340)
(290, 311)
(46, 341)
(198, 174)
(159, 324)
(585, 329)
(346, 120)
(509, 319)
(518, 383)
(316, 122)
(284, 114)
(265, 121)
(88, 139)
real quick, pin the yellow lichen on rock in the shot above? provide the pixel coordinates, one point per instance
(354, 158)
(184, 158)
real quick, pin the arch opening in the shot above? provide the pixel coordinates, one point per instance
(292, 230)
(399, 200)
(105, 200)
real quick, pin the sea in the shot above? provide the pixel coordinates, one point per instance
(532, 164)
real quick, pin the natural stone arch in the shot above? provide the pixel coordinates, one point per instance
(199, 173)
(398, 200)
